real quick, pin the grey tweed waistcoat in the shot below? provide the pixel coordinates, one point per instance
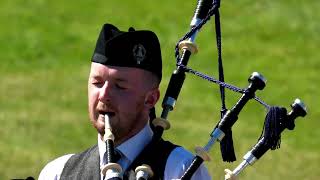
(83, 166)
(86, 165)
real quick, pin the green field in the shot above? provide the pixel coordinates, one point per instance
(45, 51)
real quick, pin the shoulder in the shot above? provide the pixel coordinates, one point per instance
(88, 152)
(53, 169)
(177, 163)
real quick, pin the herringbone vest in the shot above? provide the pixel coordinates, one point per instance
(85, 165)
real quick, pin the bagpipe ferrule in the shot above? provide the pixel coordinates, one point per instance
(240, 168)
(168, 104)
(111, 170)
(160, 122)
(216, 135)
(200, 151)
(250, 158)
(108, 135)
(188, 45)
(143, 172)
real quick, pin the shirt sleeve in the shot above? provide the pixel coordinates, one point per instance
(53, 169)
(178, 162)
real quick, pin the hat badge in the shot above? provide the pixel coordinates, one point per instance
(139, 53)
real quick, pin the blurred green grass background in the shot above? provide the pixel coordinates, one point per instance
(45, 51)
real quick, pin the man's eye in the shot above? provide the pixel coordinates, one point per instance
(98, 83)
(120, 87)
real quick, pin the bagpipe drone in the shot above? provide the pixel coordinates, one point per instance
(277, 120)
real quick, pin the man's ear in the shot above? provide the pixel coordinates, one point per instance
(152, 98)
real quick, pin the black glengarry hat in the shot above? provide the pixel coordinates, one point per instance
(138, 49)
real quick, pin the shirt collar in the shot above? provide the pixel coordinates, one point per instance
(131, 147)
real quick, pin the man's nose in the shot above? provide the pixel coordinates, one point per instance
(104, 94)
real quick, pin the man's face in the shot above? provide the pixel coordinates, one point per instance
(125, 94)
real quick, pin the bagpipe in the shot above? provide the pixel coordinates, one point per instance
(277, 118)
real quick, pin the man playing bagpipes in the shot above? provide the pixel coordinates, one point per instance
(123, 88)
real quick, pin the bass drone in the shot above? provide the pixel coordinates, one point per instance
(265, 142)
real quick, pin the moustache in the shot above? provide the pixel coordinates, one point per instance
(105, 108)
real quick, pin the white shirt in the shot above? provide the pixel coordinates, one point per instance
(177, 162)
